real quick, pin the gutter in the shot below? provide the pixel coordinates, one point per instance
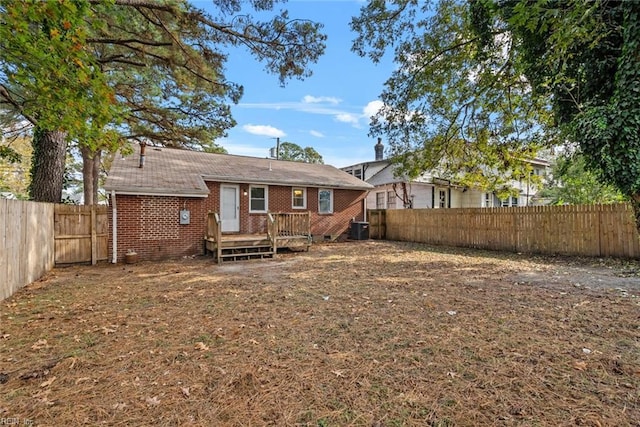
(159, 194)
(114, 228)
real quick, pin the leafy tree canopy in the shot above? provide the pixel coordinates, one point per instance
(14, 168)
(100, 72)
(488, 82)
(292, 151)
(571, 182)
(47, 74)
(154, 68)
(450, 105)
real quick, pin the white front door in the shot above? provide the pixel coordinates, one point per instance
(230, 208)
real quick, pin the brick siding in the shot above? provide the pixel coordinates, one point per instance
(150, 225)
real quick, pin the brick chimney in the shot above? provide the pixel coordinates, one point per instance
(379, 150)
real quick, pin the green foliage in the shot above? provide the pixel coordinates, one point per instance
(451, 105)
(571, 182)
(107, 71)
(46, 72)
(492, 81)
(14, 169)
(292, 151)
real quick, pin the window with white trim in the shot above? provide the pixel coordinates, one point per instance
(442, 198)
(488, 200)
(380, 200)
(258, 199)
(514, 201)
(391, 200)
(325, 201)
(299, 198)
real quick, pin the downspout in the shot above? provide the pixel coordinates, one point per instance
(114, 228)
(364, 209)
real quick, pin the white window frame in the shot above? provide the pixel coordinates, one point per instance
(442, 198)
(266, 198)
(330, 211)
(357, 173)
(391, 199)
(488, 200)
(514, 201)
(381, 197)
(304, 198)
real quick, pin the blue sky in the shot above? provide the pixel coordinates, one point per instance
(328, 111)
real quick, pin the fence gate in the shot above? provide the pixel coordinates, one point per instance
(377, 224)
(81, 234)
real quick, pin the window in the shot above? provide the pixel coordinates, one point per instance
(258, 199)
(488, 200)
(391, 200)
(325, 201)
(505, 203)
(299, 198)
(442, 198)
(357, 173)
(514, 201)
(380, 200)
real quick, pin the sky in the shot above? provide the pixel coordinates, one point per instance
(328, 111)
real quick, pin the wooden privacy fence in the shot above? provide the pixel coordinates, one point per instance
(26, 243)
(36, 236)
(81, 234)
(590, 230)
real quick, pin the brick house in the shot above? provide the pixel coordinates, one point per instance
(159, 202)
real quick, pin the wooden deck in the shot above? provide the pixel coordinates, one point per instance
(285, 230)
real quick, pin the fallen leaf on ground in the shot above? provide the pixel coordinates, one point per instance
(40, 344)
(152, 401)
(580, 366)
(201, 346)
(48, 382)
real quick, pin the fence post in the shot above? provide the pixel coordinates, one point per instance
(94, 238)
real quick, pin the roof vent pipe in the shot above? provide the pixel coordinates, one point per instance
(379, 147)
(142, 145)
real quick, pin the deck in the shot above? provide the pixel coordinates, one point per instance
(285, 230)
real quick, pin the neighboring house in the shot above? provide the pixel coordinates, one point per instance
(431, 191)
(149, 195)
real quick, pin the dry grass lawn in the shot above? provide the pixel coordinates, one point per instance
(353, 334)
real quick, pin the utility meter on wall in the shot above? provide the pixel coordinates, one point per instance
(185, 216)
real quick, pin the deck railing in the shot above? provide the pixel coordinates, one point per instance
(292, 224)
(214, 232)
(283, 225)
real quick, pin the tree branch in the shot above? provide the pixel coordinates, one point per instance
(6, 95)
(127, 41)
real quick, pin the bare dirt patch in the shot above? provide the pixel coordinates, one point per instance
(361, 334)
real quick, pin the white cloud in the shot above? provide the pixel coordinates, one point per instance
(308, 99)
(316, 134)
(348, 118)
(372, 108)
(323, 105)
(264, 130)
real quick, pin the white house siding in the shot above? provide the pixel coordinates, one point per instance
(422, 195)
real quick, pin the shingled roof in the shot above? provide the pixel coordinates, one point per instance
(170, 171)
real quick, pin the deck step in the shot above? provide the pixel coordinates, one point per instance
(241, 253)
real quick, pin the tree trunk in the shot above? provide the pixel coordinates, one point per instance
(47, 165)
(90, 175)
